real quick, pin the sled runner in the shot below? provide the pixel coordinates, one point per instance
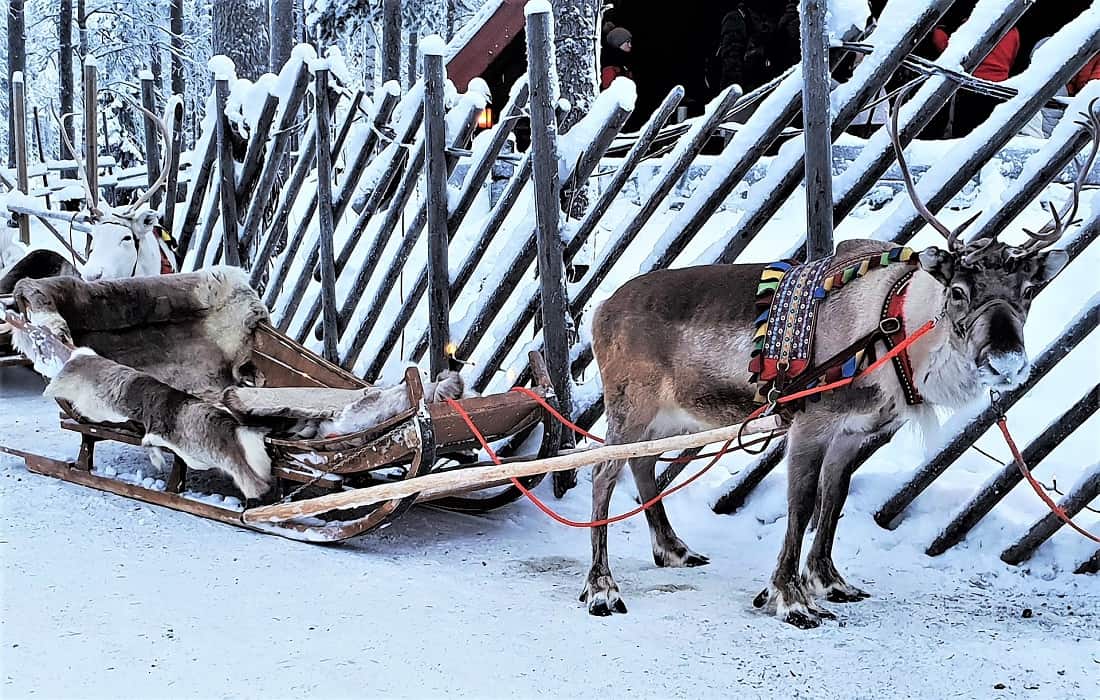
(162, 326)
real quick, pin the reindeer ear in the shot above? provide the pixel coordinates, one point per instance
(1048, 264)
(938, 263)
(148, 219)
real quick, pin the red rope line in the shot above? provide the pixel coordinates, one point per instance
(901, 347)
(1062, 515)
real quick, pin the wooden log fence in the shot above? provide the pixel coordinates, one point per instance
(1074, 502)
(342, 278)
(22, 181)
(1009, 476)
(435, 206)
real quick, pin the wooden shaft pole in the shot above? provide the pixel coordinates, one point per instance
(818, 122)
(465, 479)
(435, 177)
(324, 213)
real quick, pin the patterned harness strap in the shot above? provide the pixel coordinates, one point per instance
(789, 296)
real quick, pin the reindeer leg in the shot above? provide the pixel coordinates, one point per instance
(792, 603)
(821, 577)
(668, 548)
(600, 590)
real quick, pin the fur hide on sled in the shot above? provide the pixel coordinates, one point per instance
(174, 354)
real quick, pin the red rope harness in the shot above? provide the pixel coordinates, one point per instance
(725, 449)
(1062, 515)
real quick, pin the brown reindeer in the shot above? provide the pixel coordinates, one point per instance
(673, 347)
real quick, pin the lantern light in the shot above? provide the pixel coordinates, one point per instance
(485, 118)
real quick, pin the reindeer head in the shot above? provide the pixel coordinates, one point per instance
(123, 240)
(124, 244)
(988, 284)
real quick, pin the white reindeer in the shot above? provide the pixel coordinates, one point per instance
(124, 242)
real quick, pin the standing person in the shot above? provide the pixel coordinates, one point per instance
(758, 40)
(615, 57)
(971, 108)
(1090, 72)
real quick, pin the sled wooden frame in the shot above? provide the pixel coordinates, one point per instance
(9, 356)
(410, 443)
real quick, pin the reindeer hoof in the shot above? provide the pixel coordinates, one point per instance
(679, 557)
(822, 613)
(761, 598)
(853, 595)
(801, 620)
(563, 481)
(602, 596)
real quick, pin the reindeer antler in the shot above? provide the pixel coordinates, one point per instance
(1062, 220)
(951, 235)
(89, 197)
(166, 133)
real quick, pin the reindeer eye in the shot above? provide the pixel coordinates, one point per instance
(958, 293)
(127, 239)
(1030, 291)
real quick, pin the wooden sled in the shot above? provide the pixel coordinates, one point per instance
(404, 448)
(9, 356)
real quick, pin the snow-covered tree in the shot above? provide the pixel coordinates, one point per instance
(240, 31)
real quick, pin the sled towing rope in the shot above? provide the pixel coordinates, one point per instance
(1002, 423)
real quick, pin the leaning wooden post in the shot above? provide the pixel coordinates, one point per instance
(324, 211)
(227, 174)
(391, 41)
(1009, 476)
(544, 147)
(91, 147)
(435, 177)
(816, 115)
(19, 105)
(1076, 501)
(152, 148)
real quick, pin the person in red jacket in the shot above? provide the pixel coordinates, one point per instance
(615, 57)
(1090, 72)
(971, 109)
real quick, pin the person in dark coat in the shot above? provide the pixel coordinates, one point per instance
(758, 40)
(615, 57)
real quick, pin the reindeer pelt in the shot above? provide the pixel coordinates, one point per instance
(311, 412)
(192, 331)
(204, 436)
(37, 264)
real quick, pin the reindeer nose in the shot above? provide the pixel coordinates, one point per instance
(1010, 367)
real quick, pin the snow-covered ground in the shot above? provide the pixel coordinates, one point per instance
(107, 597)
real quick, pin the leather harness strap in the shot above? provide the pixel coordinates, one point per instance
(892, 327)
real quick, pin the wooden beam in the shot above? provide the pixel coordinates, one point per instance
(91, 120)
(435, 183)
(152, 146)
(1074, 502)
(544, 167)
(19, 106)
(817, 118)
(322, 117)
(391, 41)
(465, 479)
(227, 175)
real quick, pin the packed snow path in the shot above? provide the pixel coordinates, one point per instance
(108, 597)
